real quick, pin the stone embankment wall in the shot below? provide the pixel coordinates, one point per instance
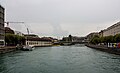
(105, 48)
(7, 49)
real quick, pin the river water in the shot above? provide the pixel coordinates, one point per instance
(60, 59)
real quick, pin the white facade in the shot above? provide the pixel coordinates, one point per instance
(113, 30)
(39, 43)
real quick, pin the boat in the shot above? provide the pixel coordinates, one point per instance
(19, 47)
(28, 48)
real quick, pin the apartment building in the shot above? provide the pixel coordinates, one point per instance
(112, 30)
(2, 31)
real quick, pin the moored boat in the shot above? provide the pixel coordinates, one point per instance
(28, 48)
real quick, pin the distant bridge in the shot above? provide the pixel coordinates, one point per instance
(73, 43)
(79, 42)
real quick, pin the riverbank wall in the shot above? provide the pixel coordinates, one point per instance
(104, 48)
(7, 49)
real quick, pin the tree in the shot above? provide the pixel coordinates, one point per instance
(101, 39)
(109, 39)
(13, 40)
(117, 38)
(70, 38)
(106, 39)
(95, 40)
(9, 39)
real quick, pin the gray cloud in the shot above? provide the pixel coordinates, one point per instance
(78, 14)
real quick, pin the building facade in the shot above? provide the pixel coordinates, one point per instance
(9, 31)
(112, 30)
(91, 35)
(78, 39)
(2, 31)
(38, 42)
(34, 40)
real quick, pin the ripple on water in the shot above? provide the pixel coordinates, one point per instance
(63, 59)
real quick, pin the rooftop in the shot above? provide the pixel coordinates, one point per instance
(31, 35)
(2, 6)
(38, 39)
(115, 25)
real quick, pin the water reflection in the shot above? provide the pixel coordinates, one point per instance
(2, 64)
(62, 59)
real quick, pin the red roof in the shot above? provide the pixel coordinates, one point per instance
(38, 39)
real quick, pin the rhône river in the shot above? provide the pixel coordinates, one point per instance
(61, 59)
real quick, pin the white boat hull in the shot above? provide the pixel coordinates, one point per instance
(28, 48)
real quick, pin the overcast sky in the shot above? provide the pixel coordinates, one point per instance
(62, 17)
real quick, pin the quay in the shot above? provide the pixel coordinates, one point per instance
(7, 49)
(104, 48)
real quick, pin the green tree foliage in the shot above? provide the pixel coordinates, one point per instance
(109, 39)
(13, 40)
(106, 39)
(70, 38)
(117, 38)
(101, 39)
(95, 40)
